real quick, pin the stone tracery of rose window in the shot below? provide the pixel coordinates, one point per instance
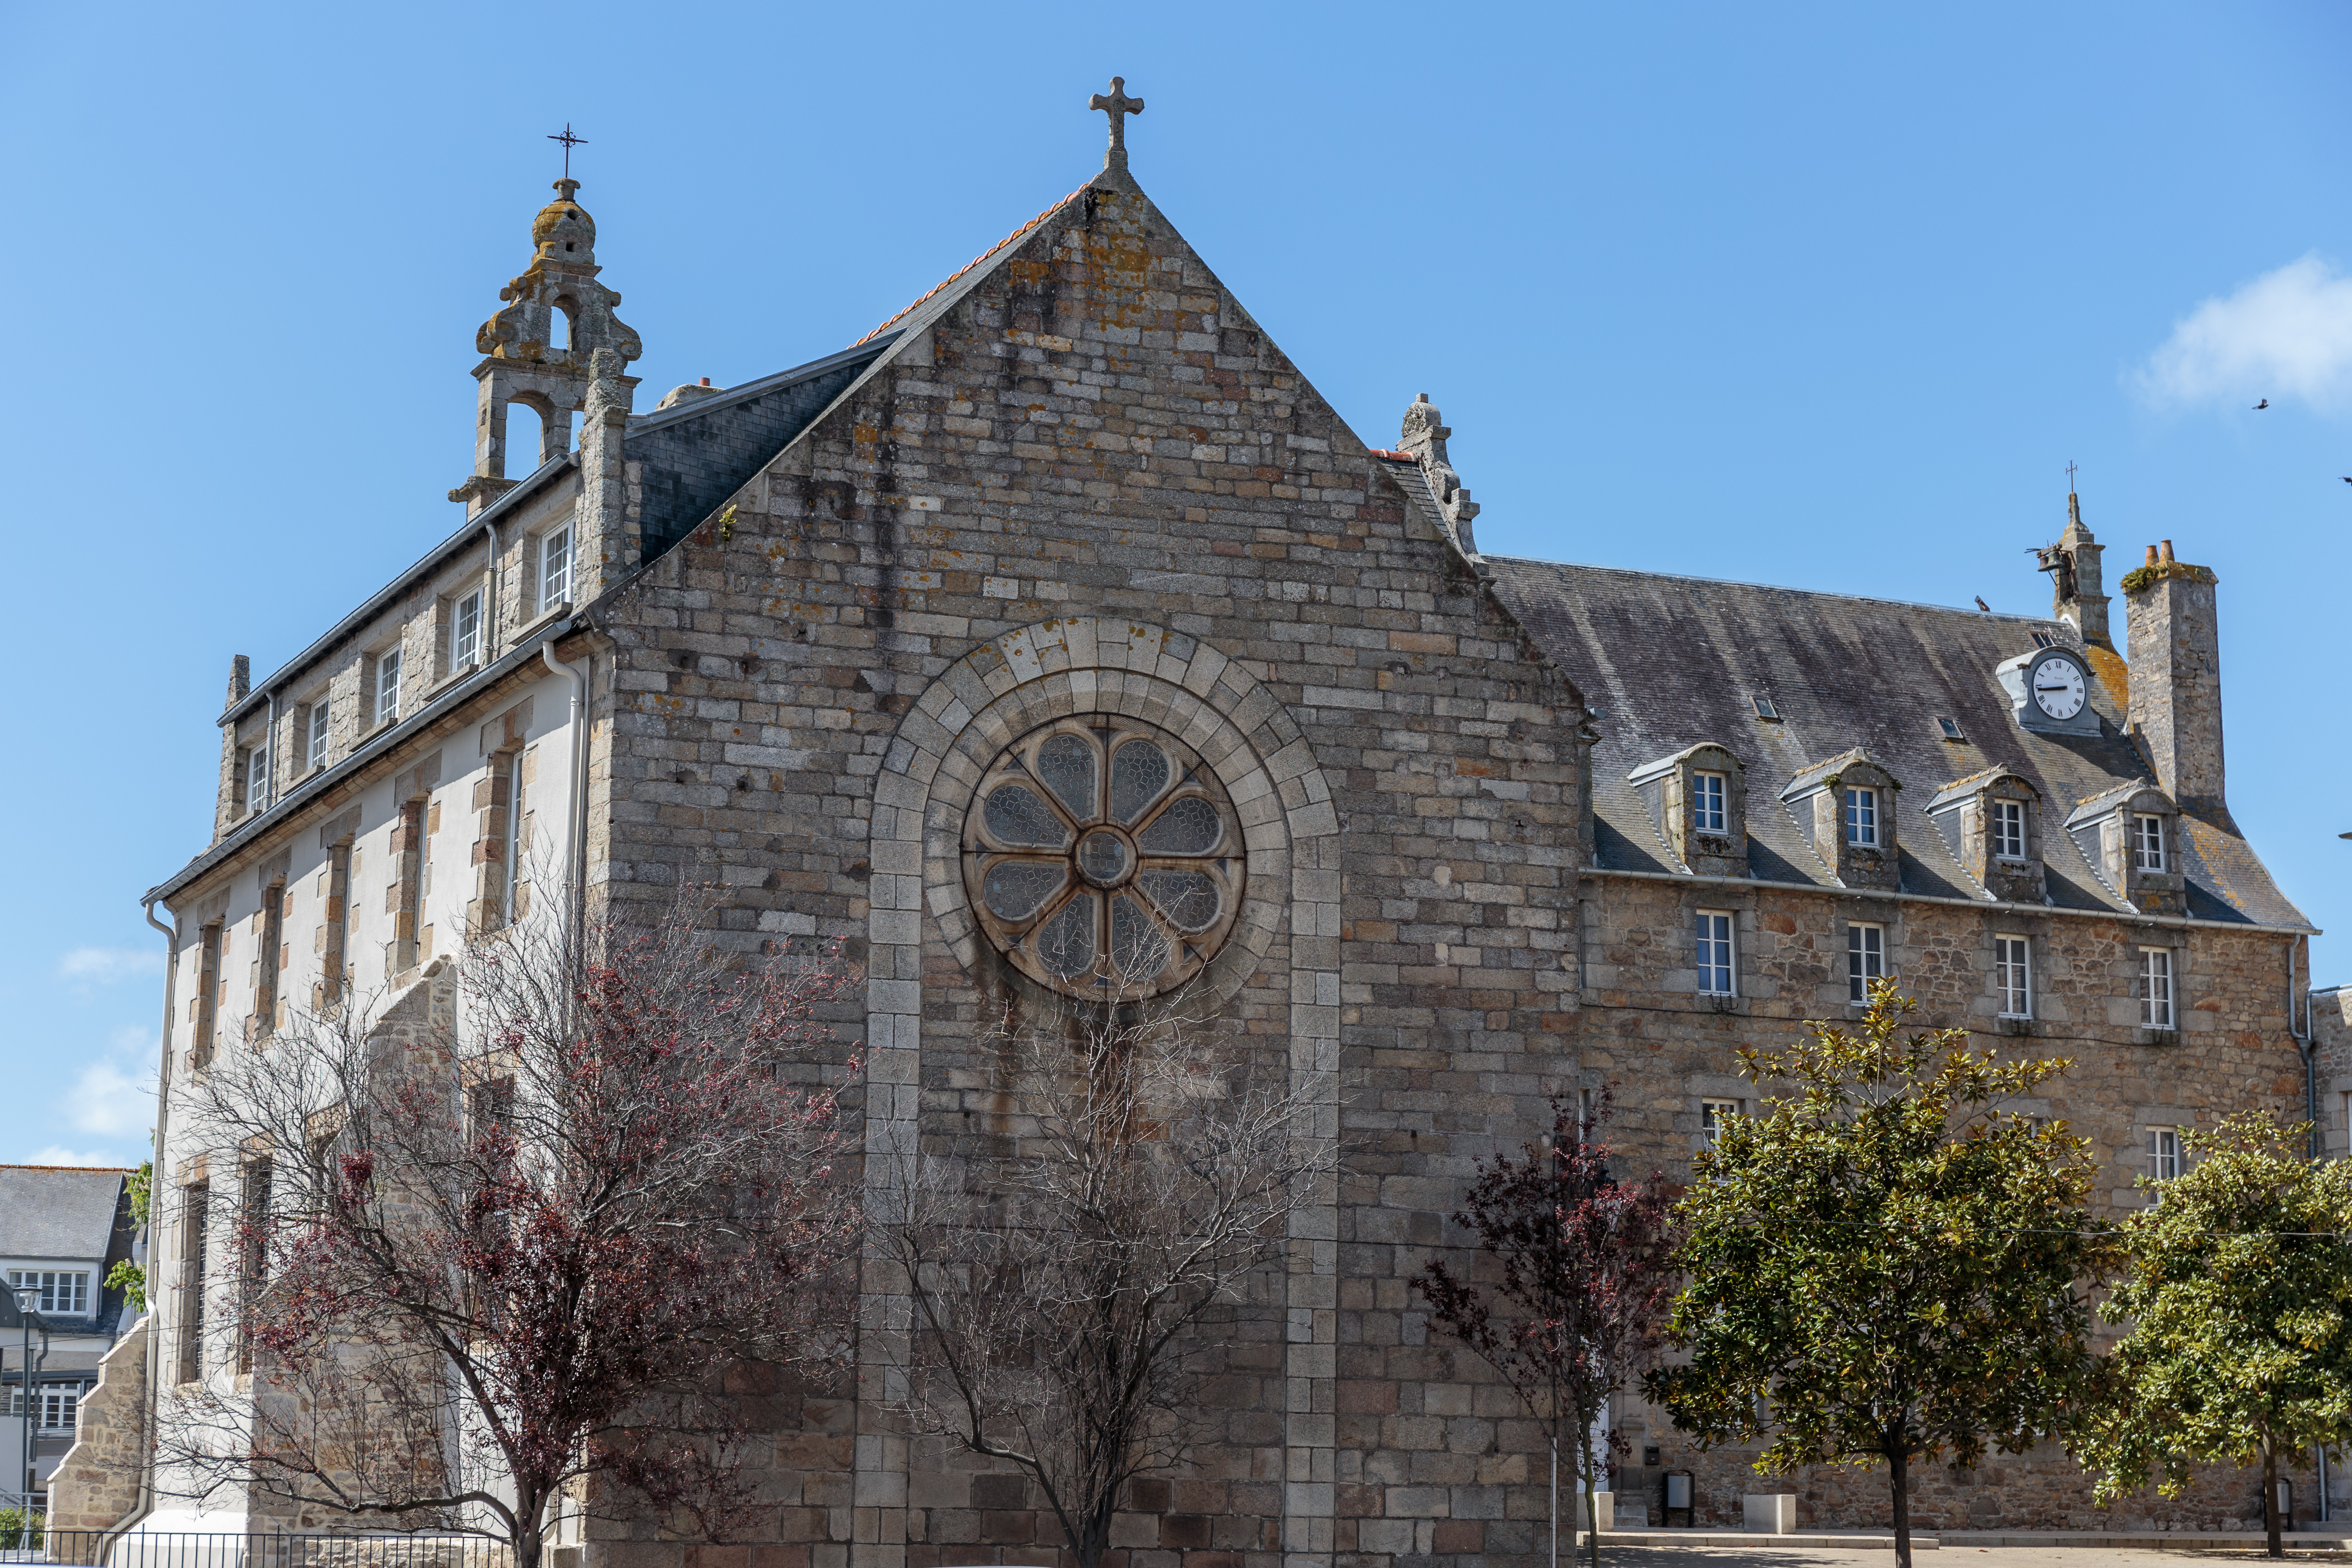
(1103, 857)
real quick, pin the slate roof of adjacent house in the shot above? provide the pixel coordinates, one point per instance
(1669, 662)
(66, 1212)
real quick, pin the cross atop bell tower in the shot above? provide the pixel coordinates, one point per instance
(1118, 106)
(538, 349)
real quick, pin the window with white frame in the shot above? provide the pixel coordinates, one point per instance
(386, 696)
(1862, 818)
(1865, 959)
(1714, 1116)
(64, 1292)
(314, 735)
(554, 568)
(2163, 1153)
(2156, 987)
(2012, 972)
(2147, 842)
(2008, 825)
(465, 630)
(55, 1405)
(257, 776)
(1714, 965)
(1706, 803)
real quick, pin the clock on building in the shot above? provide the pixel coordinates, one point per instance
(2050, 691)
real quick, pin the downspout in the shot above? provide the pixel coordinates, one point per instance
(269, 755)
(146, 1503)
(490, 598)
(579, 805)
(2308, 1048)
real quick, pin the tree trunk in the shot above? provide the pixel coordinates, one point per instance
(2271, 1541)
(1589, 1473)
(1898, 1478)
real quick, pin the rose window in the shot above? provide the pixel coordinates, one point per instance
(1103, 858)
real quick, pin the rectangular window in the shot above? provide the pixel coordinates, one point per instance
(387, 686)
(195, 1225)
(466, 631)
(269, 962)
(2156, 987)
(1714, 969)
(1865, 960)
(55, 1406)
(2012, 964)
(2009, 829)
(2148, 843)
(1706, 803)
(208, 990)
(252, 1252)
(554, 568)
(1713, 1114)
(2163, 1153)
(52, 1291)
(257, 776)
(314, 749)
(1862, 818)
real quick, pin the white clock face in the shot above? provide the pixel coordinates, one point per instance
(2058, 687)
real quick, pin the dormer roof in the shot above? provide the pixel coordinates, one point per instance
(1960, 790)
(1814, 777)
(2090, 808)
(1664, 765)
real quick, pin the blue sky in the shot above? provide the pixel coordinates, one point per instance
(1825, 295)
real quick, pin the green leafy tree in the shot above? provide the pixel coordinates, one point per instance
(2236, 1297)
(127, 1276)
(1887, 1265)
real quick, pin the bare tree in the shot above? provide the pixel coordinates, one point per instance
(1057, 1293)
(504, 1241)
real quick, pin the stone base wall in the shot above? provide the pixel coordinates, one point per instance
(97, 1483)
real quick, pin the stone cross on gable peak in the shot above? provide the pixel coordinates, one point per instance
(1118, 106)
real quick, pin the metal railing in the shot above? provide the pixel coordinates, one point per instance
(141, 1549)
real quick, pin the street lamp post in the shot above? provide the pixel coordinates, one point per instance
(27, 1317)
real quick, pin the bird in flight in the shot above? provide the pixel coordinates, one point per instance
(1982, 605)
(2265, 402)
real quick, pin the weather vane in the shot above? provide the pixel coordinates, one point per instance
(569, 141)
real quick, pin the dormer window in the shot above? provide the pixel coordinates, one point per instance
(387, 686)
(554, 568)
(465, 630)
(1706, 803)
(64, 1293)
(2005, 824)
(2147, 842)
(1862, 818)
(314, 740)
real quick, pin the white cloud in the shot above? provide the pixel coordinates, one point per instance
(57, 1155)
(113, 1099)
(2287, 334)
(107, 965)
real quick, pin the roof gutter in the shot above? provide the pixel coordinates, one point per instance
(364, 756)
(146, 1503)
(1989, 905)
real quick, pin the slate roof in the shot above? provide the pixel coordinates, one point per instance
(58, 1211)
(1671, 661)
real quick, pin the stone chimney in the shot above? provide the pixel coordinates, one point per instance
(2176, 676)
(2077, 590)
(240, 680)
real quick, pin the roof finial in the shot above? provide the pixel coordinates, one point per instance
(569, 141)
(1118, 106)
(2070, 478)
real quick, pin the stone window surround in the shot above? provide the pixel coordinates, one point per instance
(1673, 779)
(959, 725)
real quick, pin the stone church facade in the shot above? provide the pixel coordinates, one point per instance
(1435, 834)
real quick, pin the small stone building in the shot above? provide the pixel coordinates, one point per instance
(1440, 834)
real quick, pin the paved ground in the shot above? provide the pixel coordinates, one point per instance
(1942, 1557)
